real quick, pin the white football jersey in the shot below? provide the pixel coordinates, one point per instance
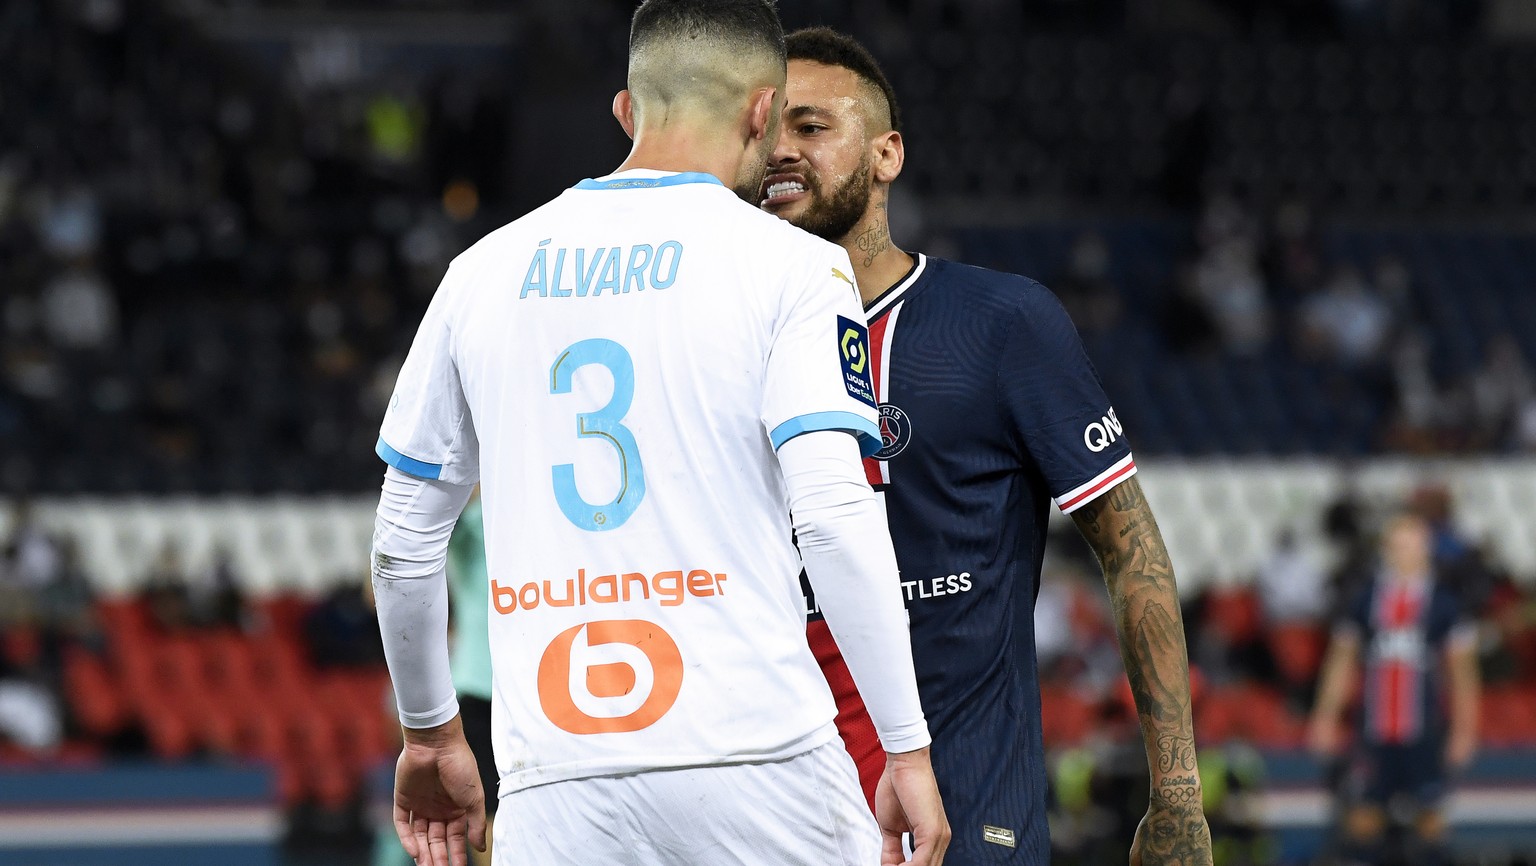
(616, 368)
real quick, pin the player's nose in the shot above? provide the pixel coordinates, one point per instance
(784, 152)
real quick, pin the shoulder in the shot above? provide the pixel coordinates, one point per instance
(1361, 602)
(488, 260)
(792, 264)
(517, 234)
(1027, 322)
(781, 240)
(1018, 300)
(1447, 601)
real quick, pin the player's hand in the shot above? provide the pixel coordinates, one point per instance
(907, 801)
(1173, 831)
(438, 801)
(1324, 737)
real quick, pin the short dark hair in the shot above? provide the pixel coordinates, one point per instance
(752, 22)
(827, 46)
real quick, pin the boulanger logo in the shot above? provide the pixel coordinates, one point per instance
(1102, 433)
(610, 676)
(895, 431)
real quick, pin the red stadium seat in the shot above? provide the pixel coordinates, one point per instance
(292, 781)
(279, 663)
(1235, 613)
(94, 696)
(332, 783)
(1263, 717)
(1247, 711)
(123, 618)
(1508, 716)
(1215, 719)
(284, 614)
(265, 735)
(1298, 651)
(1065, 717)
(171, 734)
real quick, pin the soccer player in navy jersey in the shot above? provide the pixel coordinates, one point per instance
(1407, 635)
(990, 411)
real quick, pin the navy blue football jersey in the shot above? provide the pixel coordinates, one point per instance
(990, 411)
(1405, 630)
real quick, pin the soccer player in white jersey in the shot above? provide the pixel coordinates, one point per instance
(648, 376)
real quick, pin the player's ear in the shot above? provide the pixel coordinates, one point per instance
(763, 117)
(624, 112)
(890, 156)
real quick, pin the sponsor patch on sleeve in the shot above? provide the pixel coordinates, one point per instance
(853, 349)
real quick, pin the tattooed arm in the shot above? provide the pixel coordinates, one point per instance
(1120, 528)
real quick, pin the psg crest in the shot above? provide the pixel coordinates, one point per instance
(895, 431)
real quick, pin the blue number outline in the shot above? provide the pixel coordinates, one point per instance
(605, 423)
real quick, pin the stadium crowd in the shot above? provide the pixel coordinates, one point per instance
(206, 277)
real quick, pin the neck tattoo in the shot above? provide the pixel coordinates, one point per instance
(876, 239)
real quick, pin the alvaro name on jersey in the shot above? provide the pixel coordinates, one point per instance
(989, 412)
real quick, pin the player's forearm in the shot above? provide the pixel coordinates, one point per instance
(849, 559)
(1151, 634)
(1142, 590)
(410, 586)
(1465, 694)
(1335, 683)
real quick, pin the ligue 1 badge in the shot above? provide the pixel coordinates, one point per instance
(895, 431)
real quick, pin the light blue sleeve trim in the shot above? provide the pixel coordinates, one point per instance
(410, 466)
(650, 182)
(860, 427)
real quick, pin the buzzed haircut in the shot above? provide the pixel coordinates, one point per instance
(748, 23)
(831, 48)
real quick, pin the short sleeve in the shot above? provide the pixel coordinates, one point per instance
(1452, 626)
(818, 375)
(1058, 406)
(427, 430)
(1355, 620)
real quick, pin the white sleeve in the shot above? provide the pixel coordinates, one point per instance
(818, 375)
(852, 567)
(427, 430)
(410, 588)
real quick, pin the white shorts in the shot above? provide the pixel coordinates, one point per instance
(804, 811)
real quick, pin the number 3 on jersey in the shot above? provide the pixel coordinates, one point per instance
(605, 423)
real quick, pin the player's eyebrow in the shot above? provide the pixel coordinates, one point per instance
(798, 112)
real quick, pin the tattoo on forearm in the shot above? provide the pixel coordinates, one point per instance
(1120, 527)
(1175, 752)
(1150, 660)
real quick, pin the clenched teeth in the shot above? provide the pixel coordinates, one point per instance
(785, 187)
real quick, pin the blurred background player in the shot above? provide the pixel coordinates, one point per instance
(1407, 645)
(989, 410)
(655, 700)
(469, 587)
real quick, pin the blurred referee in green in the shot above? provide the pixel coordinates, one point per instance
(471, 663)
(471, 659)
